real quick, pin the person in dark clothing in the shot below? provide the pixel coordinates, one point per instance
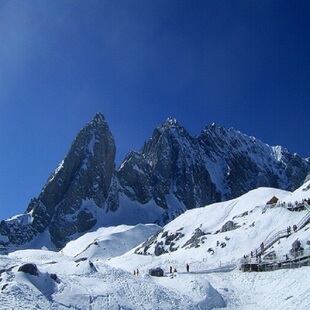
(187, 267)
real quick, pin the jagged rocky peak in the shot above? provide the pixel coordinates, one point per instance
(172, 172)
(74, 192)
(84, 175)
(218, 139)
(93, 135)
(249, 162)
(169, 129)
(214, 132)
(213, 127)
(171, 122)
(167, 140)
(171, 126)
(178, 168)
(98, 118)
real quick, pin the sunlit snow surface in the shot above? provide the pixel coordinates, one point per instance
(94, 272)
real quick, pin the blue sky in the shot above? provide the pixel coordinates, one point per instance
(242, 64)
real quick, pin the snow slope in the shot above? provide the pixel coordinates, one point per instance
(109, 242)
(94, 272)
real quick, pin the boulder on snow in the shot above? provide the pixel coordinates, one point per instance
(29, 268)
(156, 272)
(296, 245)
(159, 249)
(82, 259)
(211, 251)
(296, 249)
(143, 249)
(228, 226)
(92, 266)
(196, 239)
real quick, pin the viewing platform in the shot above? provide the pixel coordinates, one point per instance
(254, 264)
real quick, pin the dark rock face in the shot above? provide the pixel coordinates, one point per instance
(229, 226)
(217, 165)
(84, 175)
(171, 162)
(29, 268)
(177, 164)
(78, 185)
(135, 176)
(18, 231)
(196, 239)
(296, 249)
(248, 163)
(173, 172)
(148, 243)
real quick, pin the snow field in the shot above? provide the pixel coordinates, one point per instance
(96, 270)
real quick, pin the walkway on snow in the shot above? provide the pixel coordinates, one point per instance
(253, 261)
(269, 241)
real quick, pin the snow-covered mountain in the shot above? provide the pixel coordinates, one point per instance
(180, 172)
(173, 172)
(95, 271)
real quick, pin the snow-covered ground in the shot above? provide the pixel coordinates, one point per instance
(96, 271)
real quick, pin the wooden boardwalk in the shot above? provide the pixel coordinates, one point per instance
(253, 262)
(251, 265)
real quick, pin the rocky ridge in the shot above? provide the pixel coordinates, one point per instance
(173, 172)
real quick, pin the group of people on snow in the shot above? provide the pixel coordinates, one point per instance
(175, 270)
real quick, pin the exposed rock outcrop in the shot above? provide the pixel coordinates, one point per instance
(173, 172)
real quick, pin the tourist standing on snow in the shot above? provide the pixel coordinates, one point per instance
(187, 267)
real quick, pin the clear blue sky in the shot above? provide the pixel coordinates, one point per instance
(242, 64)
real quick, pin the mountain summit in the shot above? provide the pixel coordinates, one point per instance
(173, 172)
(84, 175)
